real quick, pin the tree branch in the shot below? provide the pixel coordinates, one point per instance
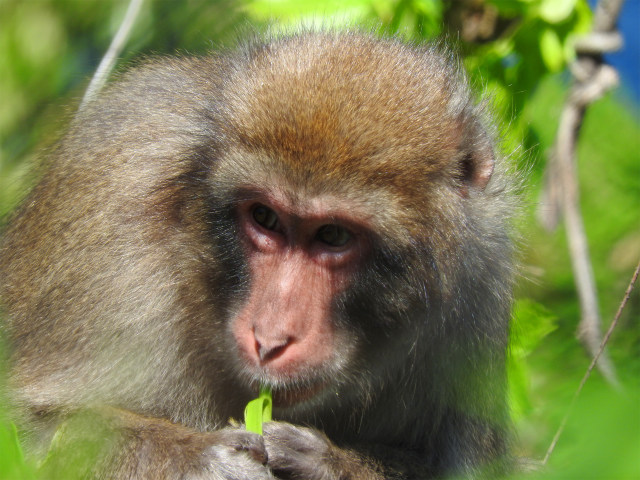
(560, 198)
(111, 56)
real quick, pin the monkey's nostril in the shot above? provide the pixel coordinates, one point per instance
(271, 349)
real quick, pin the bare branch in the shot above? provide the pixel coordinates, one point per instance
(597, 43)
(606, 16)
(111, 56)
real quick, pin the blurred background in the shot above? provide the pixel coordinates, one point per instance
(517, 53)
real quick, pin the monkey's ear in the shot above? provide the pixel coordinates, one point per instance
(476, 162)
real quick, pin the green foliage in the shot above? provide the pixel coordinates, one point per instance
(80, 447)
(532, 322)
(536, 41)
(405, 16)
(600, 440)
(307, 11)
(12, 464)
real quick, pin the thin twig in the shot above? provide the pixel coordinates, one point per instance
(587, 374)
(110, 57)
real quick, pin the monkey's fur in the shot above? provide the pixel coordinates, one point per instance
(122, 273)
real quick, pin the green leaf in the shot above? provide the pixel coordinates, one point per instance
(532, 322)
(310, 10)
(551, 50)
(431, 8)
(12, 464)
(258, 411)
(556, 11)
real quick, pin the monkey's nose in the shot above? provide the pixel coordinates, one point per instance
(270, 349)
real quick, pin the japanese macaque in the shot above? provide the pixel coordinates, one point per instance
(322, 214)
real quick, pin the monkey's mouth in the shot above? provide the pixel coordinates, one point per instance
(284, 397)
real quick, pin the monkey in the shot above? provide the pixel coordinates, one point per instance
(322, 213)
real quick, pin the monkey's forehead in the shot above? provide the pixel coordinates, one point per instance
(348, 104)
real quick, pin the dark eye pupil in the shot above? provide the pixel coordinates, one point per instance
(333, 235)
(265, 217)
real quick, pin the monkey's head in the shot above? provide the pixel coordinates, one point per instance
(318, 214)
(351, 174)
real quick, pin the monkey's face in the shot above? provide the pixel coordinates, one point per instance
(301, 257)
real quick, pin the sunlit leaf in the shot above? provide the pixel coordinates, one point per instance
(551, 50)
(555, 11)
(293, 11)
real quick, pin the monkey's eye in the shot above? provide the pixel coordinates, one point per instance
(333, 235)
(265, 217)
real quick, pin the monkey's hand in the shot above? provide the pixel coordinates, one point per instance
(298, 452)
(234, 455)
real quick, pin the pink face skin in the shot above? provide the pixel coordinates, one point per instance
(300, 258)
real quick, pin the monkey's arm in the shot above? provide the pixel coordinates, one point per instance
(117, 444)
